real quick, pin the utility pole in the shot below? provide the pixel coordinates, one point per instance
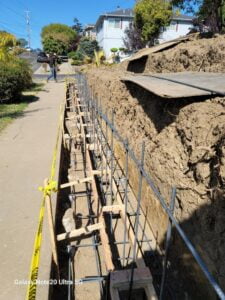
(27, 12)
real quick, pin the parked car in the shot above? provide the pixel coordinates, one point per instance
(42, 57)
(63, 58)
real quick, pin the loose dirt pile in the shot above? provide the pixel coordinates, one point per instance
(199, 54)
(185, 147)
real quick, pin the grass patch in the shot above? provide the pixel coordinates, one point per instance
(11, 111)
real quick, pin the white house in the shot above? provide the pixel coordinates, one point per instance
(179, 26)
(110, 29)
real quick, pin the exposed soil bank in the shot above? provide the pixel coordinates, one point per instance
(185, 147)
(199, 54)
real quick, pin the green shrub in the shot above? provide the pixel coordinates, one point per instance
(71, 54)
(114, 50)
(76, 62)
(88, 47)
(15, 76)
(76, 55)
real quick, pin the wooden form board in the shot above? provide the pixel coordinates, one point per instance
(120, 281)
(180, 85)
(104, 237)
(79, 232)
(147, 51)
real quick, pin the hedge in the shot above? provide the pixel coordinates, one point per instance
(15, 76)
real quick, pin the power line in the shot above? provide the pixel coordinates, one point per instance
(16, 24)
(12, 10)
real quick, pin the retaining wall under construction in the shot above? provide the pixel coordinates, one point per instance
(113, 226)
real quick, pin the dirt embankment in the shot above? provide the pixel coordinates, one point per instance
(185, 147)
(198, 54)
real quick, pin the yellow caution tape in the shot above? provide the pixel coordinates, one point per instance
(47, 190)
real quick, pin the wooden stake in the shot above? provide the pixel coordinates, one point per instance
(51, 229)
(78, 232)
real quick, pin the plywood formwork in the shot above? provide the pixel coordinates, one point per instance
(180, 85)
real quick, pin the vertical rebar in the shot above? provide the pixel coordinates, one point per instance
(69, 272)
(168, 239)
(101, 148)
(71, 253)
(125, 202)
(111, 167)
(95, 125)
(137, 217)
(106, 157)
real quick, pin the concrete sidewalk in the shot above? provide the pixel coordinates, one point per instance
(26, 148)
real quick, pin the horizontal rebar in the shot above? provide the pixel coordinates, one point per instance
(162, 201)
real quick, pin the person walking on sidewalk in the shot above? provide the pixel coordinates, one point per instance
(53, 67)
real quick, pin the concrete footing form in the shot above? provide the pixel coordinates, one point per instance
(104, 241)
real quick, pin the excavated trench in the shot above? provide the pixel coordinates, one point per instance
(93, 191)
(184, 148)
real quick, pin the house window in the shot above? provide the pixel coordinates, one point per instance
(114, 23)
(173, 25)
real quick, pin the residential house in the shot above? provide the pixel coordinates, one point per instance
(89, 31)
(179, 26)
(110, 29)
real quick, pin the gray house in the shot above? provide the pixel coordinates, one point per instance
(110, 29)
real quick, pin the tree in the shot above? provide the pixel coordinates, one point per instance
(187, 5)
(7, 41)
(211, 12)
(77, 26)
(133, 40)
(22, 43)
(60, 34)
(51, 45)
(88, 47)
(150, 16)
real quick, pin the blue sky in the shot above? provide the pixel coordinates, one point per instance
(12, 14)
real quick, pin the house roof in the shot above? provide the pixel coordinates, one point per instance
(127, 13)
(89, 26)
